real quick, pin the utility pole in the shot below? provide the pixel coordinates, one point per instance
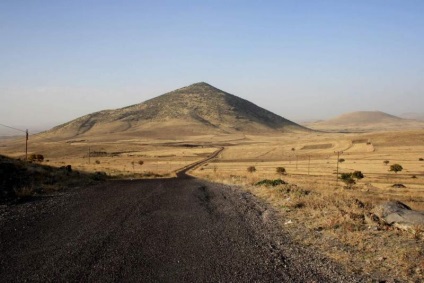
(26, 145)
(89, 153)
(337, 171)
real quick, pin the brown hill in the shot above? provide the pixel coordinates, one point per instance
(193, 110)
(365, 121)
(413, 116)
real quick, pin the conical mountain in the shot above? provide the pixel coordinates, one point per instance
(193, 110)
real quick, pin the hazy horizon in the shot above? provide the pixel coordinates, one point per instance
(302, 60)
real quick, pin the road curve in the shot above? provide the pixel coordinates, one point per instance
(182, 173)
(160, 230)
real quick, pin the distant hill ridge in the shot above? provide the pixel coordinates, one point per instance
(200, 106)
(413, 116)
(363, 117)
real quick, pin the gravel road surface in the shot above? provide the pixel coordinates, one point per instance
(162, 230)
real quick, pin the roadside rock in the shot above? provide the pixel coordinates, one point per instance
(399, 215)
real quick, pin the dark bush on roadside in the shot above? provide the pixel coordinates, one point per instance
(67, 168)
(35, 157)
(99, 176)
(272, 183)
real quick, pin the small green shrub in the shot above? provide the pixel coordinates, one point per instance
(281, 170)
(97, 161)
(341, 160)
(386, 162)
(357, 175)
(396, 168)
(272, 183)
(251, 169)
(294, 191)
(347, 178)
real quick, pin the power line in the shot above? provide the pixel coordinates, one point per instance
(26, 132)
(26, 138)
(13, 128)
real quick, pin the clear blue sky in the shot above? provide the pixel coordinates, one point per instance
(300, 59)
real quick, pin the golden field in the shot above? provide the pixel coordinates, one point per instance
(315, 207)
(312, 159)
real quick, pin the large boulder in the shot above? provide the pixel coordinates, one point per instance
(399, 215)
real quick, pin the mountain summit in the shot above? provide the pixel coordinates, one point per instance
(196, 109)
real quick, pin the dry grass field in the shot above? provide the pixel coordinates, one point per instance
(125, 157)
(319, 210)
(312, 158)
(316, 207)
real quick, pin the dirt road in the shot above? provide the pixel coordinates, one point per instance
(163, 230)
